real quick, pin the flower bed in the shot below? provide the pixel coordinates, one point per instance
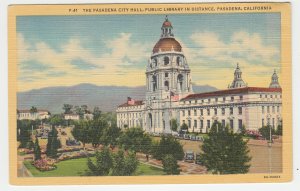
(75, 155)
(25, 151)
(44, 164)
(253, 133)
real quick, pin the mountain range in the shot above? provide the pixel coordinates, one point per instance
(107, 98)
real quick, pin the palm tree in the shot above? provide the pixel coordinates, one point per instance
(33, 111)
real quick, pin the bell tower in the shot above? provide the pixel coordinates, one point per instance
(168, 79)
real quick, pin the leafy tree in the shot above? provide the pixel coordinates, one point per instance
(225, 152)
(243, 130)
(23, 132)
(96, 113)
(103, 163)
(96, 128)
(56, 120)
(84, 108)
(133, 139)
(170, 164)
(110, 135)
(81, 131)
(67, 108)
(79, 111)
(37, 150)
(124, 165)
(265, 132)
(279, 130)
(184, 127)
(174, 125)
(131, 163)
(168, 145)
(53, 143)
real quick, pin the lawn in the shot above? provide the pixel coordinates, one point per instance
(78, 167)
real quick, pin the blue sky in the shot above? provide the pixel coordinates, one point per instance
(106, 49)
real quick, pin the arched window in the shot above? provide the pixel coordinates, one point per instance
(166, 60)
(154, 82)
(178, 61)
(154, 61)
(180, 81)
(167, 85)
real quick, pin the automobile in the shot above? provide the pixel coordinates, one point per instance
(199, 138)
(186, 137)
(189, 156)
(193, 137)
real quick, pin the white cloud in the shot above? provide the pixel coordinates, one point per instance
(213, 60)
(60, 68)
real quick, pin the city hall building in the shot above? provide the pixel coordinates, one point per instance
(169, 95)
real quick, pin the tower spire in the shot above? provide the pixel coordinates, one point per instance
(166, 29)
(274, 80)
(237, 81)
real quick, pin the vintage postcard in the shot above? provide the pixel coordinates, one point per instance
(150, 93)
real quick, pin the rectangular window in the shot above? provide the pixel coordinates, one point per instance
(277, 109)
(208, 111)
(240, 124)
(266, 96)
(224, 99)
(232, 98)
(202, 101)
(183, 113)
(223, 122)
(260, 96)
(195, 123)
(268, 109)
(273, 109)
(195, 112)
(241, 97)
(189, 112)
(231, 123)
(208, 123)
(263, 109)
(189, 121)
(201, 111)
(223, 111)
(208, 100)
(231, 111)
(273, 123)
(216, 111)
(196, 101)
(240, 110)
(201, 124)
(216, 99)
(271, 96)
(166, 75)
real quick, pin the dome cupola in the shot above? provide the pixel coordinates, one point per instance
(167, 41)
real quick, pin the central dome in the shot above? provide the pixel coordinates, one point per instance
(167, 44)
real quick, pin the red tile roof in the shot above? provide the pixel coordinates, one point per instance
(136, 102)
(28, 110)
(245, 90)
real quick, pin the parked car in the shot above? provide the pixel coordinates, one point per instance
(189, 156)
(199, 138)
(186, 137)
(193, 137)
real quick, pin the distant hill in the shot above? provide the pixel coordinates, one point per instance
(107, 98)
